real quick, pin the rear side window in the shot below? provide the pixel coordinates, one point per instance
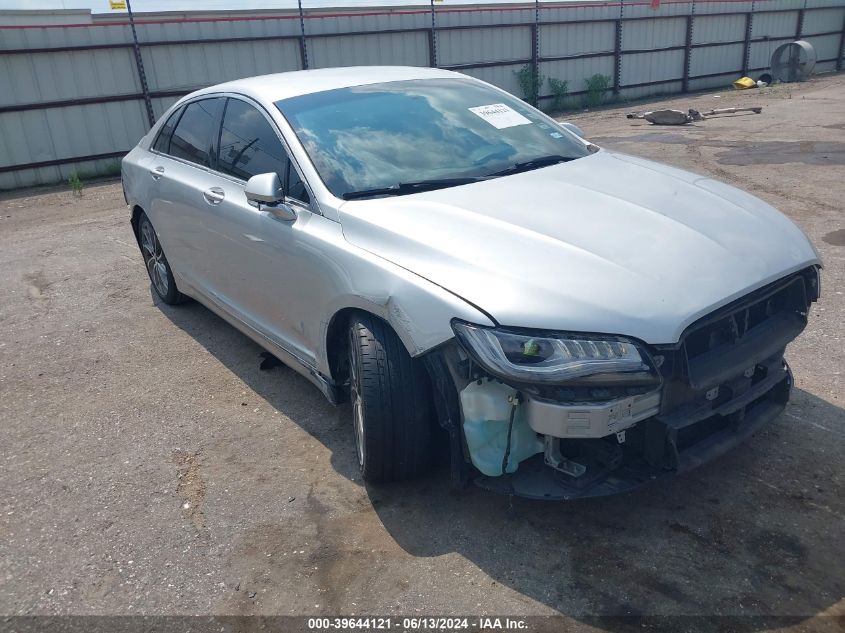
(192, 138)
(162, 143)
(248, 143)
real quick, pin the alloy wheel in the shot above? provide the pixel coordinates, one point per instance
(154, 259)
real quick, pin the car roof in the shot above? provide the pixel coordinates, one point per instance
(272, 88)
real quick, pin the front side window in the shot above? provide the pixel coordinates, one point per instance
(193, 137)
(248, 143)
(389, 134)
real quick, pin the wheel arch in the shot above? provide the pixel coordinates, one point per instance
(419, 312)
(336, 341)
(134, 220)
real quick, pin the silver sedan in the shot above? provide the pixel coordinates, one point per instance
(479, 279)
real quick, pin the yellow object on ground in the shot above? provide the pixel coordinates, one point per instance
(745, 82)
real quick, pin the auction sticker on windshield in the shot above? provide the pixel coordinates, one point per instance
(499, 115)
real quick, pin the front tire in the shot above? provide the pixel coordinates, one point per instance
(391, 403)
(161, 276)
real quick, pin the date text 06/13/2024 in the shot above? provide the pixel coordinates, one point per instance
(443, 624)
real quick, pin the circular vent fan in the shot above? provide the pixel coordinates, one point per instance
(793, 61)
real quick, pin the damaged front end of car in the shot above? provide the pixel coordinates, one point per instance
(562, 415)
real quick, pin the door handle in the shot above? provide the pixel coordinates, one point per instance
(157, 173)
(214, 195)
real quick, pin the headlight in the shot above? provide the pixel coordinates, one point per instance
(554, 358)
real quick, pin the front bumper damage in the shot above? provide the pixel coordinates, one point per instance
(723, 381)
(655, 449)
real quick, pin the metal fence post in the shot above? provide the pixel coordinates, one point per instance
(617, 51)
(432, 39)
(688, 52)
(303, 44)
(746, 46)
(535, 54)
(139, 63)
(432, 52)
(841, 47)
(617, 58)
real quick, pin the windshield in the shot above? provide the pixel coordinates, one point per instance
(389, 135)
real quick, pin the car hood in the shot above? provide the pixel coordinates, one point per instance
(607, 243)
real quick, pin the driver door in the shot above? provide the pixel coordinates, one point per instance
(262, 270)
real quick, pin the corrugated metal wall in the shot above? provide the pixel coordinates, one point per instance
(74, 91)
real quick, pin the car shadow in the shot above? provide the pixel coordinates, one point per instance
(280, 386)
(757, 534)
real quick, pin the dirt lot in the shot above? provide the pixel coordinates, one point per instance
(148, 466)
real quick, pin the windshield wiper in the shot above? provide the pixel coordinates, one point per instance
(535, 163)
(403, 188)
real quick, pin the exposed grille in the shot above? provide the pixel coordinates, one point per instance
(725, 353)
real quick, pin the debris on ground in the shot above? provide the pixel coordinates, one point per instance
(718, 111)
(679, 117)
(744, 83)
(667, 117)
(269, 362)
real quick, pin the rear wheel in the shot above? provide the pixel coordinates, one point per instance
(158, 269)
(391, 403)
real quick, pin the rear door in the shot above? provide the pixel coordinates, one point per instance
(184, 190)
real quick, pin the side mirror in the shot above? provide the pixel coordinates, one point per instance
(264, 188)
(577, 131)
(265, 192)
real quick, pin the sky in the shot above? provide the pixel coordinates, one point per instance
(139, 6)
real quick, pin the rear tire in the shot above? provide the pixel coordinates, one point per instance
(391, 403)
(161, 276)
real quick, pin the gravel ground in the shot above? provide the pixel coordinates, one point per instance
(148, 466)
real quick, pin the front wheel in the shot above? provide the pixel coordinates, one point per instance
(391, 403)
(158, 269)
